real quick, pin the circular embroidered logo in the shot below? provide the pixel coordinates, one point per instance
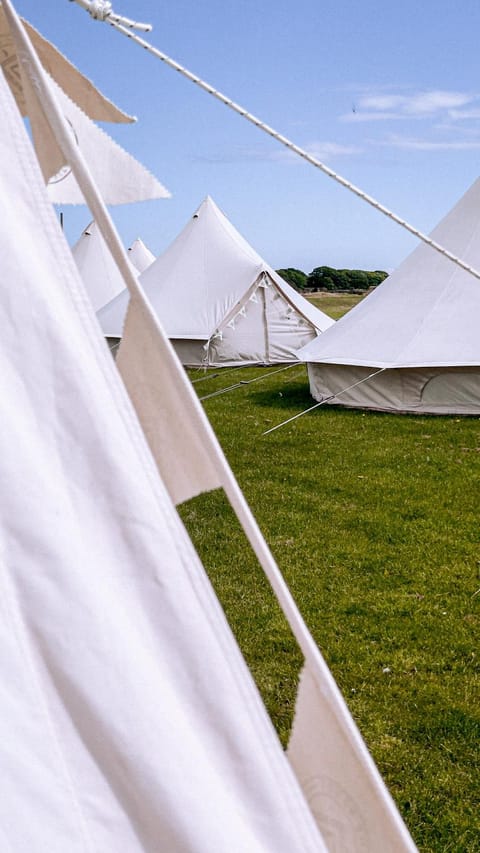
(338, 815)
(66, 170)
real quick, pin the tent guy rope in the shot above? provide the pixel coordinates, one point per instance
(102, 10)
(247, 382)
(325, 400)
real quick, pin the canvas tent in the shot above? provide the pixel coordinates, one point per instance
(98, 270)
(129, 720)
(140, 255)
(113, 646)
(417, 332)
(218, 301)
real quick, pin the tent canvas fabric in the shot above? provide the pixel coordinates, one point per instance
(126, 706)
(219, 302)
(92, 483)
(100, 274)
(140, 255)
(419, 328)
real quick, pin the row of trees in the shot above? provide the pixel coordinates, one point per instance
(330, 279)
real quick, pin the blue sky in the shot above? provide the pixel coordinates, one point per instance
(387, 94)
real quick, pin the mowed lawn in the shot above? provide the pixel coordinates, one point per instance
(334, 304)
(374, 521)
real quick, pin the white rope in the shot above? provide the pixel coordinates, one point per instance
(325, 400)
(116, 22)
(204, 378)
(227, 371)
(247, 382)
(101, 10)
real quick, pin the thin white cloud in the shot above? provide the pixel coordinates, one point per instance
(384, 103)
(413, 144)
(426, 103)
(358, 116)
(324, 151)
(384, 106)
(464, 115)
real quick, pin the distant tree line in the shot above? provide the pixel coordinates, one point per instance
(330, 279)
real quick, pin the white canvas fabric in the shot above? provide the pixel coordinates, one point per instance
(421, 324)
(140, 255)
(99, 272)
(212, 288)
(145, 320)
(176, 439)
(128, 718)
(120, 177)
(81, 90)
(338, 784)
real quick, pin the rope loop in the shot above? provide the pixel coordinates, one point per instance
(100, 10)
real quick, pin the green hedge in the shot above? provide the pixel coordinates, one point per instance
(331, 279)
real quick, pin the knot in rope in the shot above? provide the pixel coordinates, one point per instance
(100, 9)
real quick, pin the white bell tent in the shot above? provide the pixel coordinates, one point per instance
(417, 332)
(99, 272)
(218, 301)
(140, 255)
(129, 720)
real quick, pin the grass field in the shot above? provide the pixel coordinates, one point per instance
(335, 304)
(373, 519)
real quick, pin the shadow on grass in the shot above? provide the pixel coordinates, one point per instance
(298, 397)
(293, 396)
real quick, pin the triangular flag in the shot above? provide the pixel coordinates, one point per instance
(74, 84)
(341, 784)
(120, 177)
(147, 364)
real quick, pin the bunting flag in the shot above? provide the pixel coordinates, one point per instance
(120, 177)
(339, 782)
(175, 430)
(81, 90)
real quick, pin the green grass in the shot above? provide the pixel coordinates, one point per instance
(335, 304)
(373, 519)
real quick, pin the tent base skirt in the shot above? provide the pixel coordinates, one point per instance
(419, 390)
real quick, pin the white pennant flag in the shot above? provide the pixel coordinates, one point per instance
(174, 431)
(120, 177)
(348, 800)
(78, 87)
